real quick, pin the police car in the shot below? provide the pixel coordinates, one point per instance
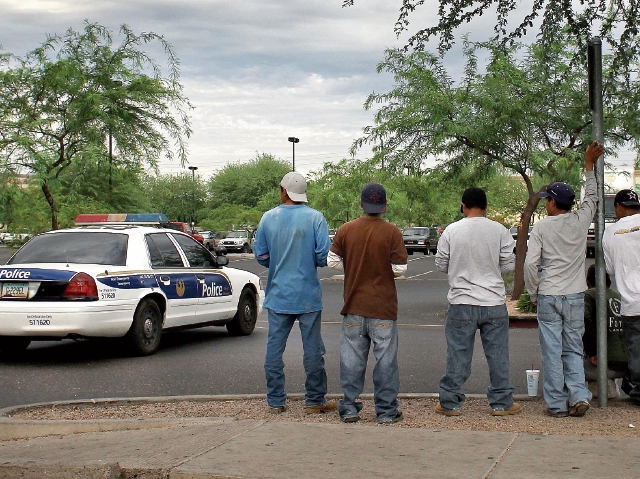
(120, 276)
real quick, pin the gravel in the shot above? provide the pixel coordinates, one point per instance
(621, 418)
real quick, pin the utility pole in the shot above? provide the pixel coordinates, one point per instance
(594, 57)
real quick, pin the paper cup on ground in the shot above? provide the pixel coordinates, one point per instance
(532, 381)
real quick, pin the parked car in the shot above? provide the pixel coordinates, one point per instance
(238, 240)
(514, 233)
(421, 238)
(119, 280)
(185, 228)
(332, 233)
(6, 237)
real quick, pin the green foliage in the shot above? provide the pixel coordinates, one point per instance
(246, 183)
(240, 193)
(63, 102)
(180, 197)
(525, 113)
(525, 305)
(615, 23)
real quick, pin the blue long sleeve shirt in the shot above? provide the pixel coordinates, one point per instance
(292, 241)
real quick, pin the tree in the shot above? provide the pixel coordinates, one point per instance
(526, 114)
(68, 99)
(177, 196)
(246, 183)
(615, 22)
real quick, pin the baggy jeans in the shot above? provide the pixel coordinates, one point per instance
(280, 325)
(460, 331)
(358, 333)
(561, 326)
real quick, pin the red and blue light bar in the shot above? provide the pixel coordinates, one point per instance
(86, 219)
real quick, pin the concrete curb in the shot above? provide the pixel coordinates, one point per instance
(11, 429)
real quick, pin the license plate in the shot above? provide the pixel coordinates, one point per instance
(15, 290)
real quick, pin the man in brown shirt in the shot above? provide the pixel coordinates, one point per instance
(372, 253)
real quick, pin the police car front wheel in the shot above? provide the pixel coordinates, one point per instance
(145, 332)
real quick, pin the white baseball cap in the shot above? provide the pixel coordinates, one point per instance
(296, 186)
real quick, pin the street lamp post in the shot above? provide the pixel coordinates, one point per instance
(193, 179)
(294, 140)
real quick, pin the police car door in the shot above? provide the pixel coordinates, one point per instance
(177, 281)
(214, 286)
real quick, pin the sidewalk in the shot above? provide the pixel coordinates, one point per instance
(199, 448)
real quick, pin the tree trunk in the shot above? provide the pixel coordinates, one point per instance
(52, 205)
(521, 244)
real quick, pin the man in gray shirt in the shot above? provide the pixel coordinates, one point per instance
(555, 279)
(474, 252)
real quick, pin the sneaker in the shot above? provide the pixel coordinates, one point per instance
(579, 409)
(549, 412)
(515, 409)
(447, 412)
(318, 408)
(355, 418)
(390, 420)
(277, 410)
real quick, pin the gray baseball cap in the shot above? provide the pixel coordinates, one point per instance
(296, 186)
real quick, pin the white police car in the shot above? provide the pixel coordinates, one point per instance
(114, 277)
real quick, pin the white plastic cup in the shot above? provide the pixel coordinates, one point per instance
(532, 381)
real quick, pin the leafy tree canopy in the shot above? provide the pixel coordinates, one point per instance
(246, 183)
(71, 97)
(616, 23)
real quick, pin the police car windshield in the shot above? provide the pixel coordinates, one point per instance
(78, 247)
(237, 234)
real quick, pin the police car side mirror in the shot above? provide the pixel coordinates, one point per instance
(222, 260)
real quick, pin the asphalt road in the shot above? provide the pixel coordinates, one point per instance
(209, 361)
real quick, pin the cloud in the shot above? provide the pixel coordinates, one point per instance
(257, 72)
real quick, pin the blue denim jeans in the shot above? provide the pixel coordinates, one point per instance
(313, 357)
(357, 335)
(631, 326)
(460, 331)
(561, 326)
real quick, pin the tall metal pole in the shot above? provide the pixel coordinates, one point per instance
(595, 102)
(294, 140)
(193, 180)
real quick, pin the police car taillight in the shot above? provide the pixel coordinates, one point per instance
(81, 286)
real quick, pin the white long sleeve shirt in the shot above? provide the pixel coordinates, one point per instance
(474, 252)
(621, 244)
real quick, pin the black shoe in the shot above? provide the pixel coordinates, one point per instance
(548, 412)
(390, 420)
(355, 418)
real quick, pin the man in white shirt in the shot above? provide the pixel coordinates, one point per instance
(474, 252)
(621, 244)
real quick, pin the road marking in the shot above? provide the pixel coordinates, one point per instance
(421, 274)
(417, 259)
(399, 324)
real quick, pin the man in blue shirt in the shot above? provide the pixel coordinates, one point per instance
(292, 241)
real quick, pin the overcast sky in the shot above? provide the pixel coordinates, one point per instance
(257, 71)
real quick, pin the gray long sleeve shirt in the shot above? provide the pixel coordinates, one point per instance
(474, 252)
(556, 252)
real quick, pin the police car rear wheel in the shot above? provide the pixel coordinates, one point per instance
(11, 345)
(244, 322)
(145, 332)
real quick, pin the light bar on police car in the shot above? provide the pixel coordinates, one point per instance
(87, 219)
